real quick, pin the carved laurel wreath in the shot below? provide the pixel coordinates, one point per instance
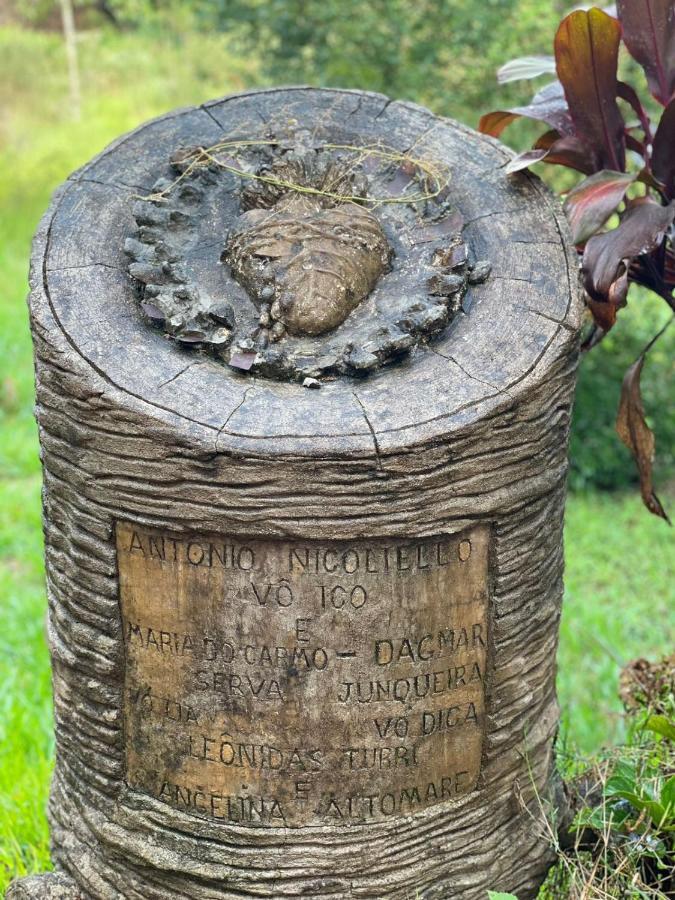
(300, 262)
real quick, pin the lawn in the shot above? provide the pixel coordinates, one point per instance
(619, 594)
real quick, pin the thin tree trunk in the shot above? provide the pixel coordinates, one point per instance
(70, 37)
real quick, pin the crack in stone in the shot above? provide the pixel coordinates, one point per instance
(381, 472)
(497, 212)
(500, 390)
(211, 116)
(384, 109)
(119, 185)
(564, 240)
(537, 312)
(90, 265)
(177, 375)
(227, 420)
(533, 244)
(514, 278)
(357, 108)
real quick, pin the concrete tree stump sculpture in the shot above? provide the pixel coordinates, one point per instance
(305, 361)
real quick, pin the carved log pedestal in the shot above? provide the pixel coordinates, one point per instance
(303, 641)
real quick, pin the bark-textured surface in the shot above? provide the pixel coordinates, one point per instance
(470, 430)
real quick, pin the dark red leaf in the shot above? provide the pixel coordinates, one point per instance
(607, 257)
(663, 152)
(446, 227)
(656, 272)
(644, 176)
(593, 338)
(154, 313)
(649, 34)
(604, 314)
(566, 151)
(586, 51)
(402, 179)
(592, 202)
(242, 360)
(629, 94)
(547, 140)
(633, 430)
(636, 146)
(559, 151)
(548, 105)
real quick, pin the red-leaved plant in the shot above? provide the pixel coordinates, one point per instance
(629, 169)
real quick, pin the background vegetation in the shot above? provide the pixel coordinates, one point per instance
(139, 59)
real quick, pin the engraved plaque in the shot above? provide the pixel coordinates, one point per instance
(273, 683)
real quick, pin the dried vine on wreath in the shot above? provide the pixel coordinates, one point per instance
(278, 207)
(622, 211)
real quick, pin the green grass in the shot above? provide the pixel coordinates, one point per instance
(25, 702)
(619, 605)
(619, 577)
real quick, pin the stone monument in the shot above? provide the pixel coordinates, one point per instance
(305, 361)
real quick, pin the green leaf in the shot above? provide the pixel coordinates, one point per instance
(661, 725)
(500, 895)
(589, 818)
(623, 780)
(657, 813)
(600, 818)
(634, 799)
(618, 815)
(668, 797)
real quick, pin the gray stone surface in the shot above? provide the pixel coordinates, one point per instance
(50, 886)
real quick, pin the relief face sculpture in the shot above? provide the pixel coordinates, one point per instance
(296, 260)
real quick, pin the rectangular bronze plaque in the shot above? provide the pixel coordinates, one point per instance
(288, 683)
